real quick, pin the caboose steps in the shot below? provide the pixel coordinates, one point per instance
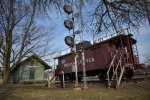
(112, 84)
(117, 71)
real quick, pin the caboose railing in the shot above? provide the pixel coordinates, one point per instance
(120, 76)
(111, 66)
(117, 72)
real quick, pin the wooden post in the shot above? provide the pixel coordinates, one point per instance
(49, 79)
(63, 80)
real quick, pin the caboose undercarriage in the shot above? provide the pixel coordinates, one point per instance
(102, 74)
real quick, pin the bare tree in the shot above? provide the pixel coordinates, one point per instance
(147, 9)
(107, 16)
(20, 32)
(21, 35)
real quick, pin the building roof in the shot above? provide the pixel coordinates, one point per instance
(46, 66)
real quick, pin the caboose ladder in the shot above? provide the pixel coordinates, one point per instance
(117, 73)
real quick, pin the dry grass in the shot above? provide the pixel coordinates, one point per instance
(127, 91)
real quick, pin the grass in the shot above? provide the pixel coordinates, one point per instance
(127, 91)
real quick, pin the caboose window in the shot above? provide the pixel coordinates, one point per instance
(63, 61)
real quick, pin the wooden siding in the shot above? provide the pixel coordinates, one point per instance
(22, 74)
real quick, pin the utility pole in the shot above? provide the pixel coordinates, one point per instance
(82, 48)
(84, 70)
(70, 25)
(75, 52)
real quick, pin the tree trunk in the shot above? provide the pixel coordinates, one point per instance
(5, 78)
(7, 56)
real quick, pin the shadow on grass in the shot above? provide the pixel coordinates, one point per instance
(5, 92)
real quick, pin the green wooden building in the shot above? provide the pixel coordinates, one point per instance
(29, 70)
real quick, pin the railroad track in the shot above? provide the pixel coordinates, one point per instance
(95, 80)
(137, 78)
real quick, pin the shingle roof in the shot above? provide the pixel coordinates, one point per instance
(33, 57)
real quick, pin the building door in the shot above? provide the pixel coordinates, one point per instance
(32, 73)
(15, 77)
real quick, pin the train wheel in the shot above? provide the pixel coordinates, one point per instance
(129, 73)
(102, 77)
(79, 78)
(71, 78)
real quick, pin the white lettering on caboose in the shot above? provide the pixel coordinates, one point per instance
(87, 60)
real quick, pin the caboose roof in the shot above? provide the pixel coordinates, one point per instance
(115, 38)
(112, 39)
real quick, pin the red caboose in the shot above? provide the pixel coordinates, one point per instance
(103, 58)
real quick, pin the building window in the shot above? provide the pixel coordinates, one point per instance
(31, 73)
(32, 62)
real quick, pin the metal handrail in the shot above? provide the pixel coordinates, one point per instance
(111, 64)
(118, 78)
(110, 68)
(115, 72)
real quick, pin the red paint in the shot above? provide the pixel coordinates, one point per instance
(99, 55)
